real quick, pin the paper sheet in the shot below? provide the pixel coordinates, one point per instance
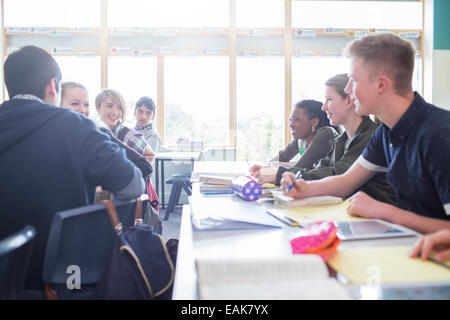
(312, 214)
(231, 208)
(386, 264)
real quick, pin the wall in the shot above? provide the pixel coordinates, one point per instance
(441, 54)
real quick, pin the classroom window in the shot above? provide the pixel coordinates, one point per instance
(133, 77)
(260, 107)
(196, 99)
(309, 76)
(357, 14)
(168, 13)
(52, 13)
(259, 13)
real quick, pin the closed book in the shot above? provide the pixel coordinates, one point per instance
(213, 187)
(283, 201)
(217, 180)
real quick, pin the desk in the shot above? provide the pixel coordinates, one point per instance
(170, 156)
(241, 243)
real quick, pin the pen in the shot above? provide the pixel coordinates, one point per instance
(297, 176)
(285, 219)
(439, 263)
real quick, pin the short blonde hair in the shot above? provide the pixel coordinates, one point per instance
(113, 94)
(386, 53)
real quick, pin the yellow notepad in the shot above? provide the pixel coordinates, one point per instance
(305, 215)
(388, 264)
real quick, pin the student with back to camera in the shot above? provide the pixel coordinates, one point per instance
(412, 144)
(311, 131)
(51, 159)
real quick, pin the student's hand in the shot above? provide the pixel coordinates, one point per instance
(362, 205)
(149, 154)
(264, 174)
(299, 189)
(437, 241)
(254, 169)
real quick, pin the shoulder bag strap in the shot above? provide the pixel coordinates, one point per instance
(138, 213)
(122, 133)
(113, 217)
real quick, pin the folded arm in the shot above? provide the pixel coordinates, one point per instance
(364, 206)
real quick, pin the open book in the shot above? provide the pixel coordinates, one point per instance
(283, 201)
(293, 277)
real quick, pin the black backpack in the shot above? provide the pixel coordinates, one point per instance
(139, 160)
(141, 267)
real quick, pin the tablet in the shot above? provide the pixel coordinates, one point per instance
(370, 229)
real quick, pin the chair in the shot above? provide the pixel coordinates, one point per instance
(82, 237)
(178, 181)
(15, 252)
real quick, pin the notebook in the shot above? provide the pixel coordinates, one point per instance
(386, 265)
(304, 215)
(283, 201)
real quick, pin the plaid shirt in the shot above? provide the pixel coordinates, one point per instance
(146, 127)
(27, 97)
(133, 139)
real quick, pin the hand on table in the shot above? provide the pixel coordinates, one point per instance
(437, 241)
(264, 174)
(362, 205)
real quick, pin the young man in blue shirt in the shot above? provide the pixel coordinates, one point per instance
(51, 159)
(412, 145)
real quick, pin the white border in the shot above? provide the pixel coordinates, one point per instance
(447, 208)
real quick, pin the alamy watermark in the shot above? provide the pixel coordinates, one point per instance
(74, 280)
(371, 290)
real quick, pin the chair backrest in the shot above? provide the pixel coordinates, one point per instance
(83, 237)
(15, 252)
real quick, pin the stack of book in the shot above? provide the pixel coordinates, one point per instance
(209, 184)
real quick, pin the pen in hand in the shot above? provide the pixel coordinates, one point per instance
(297, 176)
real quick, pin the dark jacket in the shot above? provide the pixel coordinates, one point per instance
(338, 161)
(51, 159)
(318, 148)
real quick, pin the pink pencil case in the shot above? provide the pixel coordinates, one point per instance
(318, 238)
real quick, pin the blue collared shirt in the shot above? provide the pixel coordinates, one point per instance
(415, 153)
